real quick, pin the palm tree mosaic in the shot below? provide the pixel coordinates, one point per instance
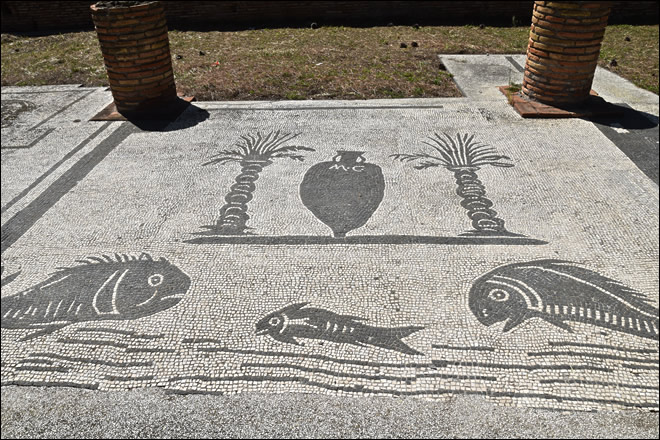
(253, 153)
(464, 156)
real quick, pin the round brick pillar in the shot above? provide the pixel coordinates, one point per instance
(136, 52)
(564, 44)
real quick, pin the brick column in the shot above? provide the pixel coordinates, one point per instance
(136, 53)
(564, 44)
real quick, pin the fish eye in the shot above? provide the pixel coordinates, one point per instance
(274, 321)
(155, 280)
(498, 295)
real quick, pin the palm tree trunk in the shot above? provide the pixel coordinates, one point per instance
(233, 214)
(484, 219)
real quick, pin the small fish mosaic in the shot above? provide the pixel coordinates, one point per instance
(558, 291)
(100, 288)
(297, 321)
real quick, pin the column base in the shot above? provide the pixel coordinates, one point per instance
(168, 113)
(594, 106)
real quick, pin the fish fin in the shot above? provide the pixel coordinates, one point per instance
(619, 292)
(145, 256)
(558, 322)
(403, 332)
(404, 348)
(358, 343)
(9, 278)
(292, 309)
(286, 339)
(353, 318)
(327, 315)
(514, 321)
(397, 345)
(45, 331)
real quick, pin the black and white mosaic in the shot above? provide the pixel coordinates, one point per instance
(297, 321)
(343, 193)
(464, 156)
(558, 291)
(101, 288)
(12, 108)
(253, 153)
(359, 266)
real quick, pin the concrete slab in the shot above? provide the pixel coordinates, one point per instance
(438, 249)
(478, 76)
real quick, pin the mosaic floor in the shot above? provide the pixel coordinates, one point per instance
(422, 248)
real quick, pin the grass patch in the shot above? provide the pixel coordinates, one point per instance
(324, 63)
(635, 50)
(511, 90)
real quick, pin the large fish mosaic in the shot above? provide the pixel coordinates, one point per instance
(559, 291)
(101, 288)
(296, 321)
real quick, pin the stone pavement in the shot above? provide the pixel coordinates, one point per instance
(428, 249)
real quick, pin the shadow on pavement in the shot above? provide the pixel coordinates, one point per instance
(635, 133)
(186, 116)
(631, 119)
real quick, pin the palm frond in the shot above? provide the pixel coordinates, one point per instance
(229, 153)
(403, 157)
(455, 151)
(243, 148)
(225, 156)
(266, 142)
(483, 153)
(479, 148)
(221, 160)
(495, 163)
(260, 147)
(278, 139)
(442, 148)
(426, 164)
(461, 151)
(292, 148)
(298, 157)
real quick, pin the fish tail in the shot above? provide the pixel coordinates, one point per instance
(402, 332)
(398, 345)
(9, 278)
(392, 339)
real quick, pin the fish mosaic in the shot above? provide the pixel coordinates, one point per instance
(297, 321)
(559, 291)
(122, 287)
